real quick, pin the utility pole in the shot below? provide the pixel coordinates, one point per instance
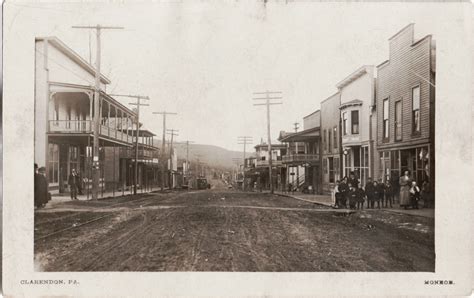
(198, 156)
(187, 157)
(95, 165)
(296, 125)
(244, 140)
(138, 104)
(163, 158)
(237, 162)
(269, 95)
(172, 133)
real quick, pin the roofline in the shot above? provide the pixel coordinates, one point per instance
(429, 36)
(273, 145)
(383, 63)
(318, 110)
(73, 55)
(354, 76)
(328, 98)
(401, 30)
(317, 128)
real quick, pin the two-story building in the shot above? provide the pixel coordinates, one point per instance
(330, 142)
(64, 113)
(406, 108)
(357, 96)
(302, 158)
(262, 164)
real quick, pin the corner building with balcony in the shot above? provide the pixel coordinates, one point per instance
(357, 95)
(64, 110)
(302, 159)
(406, 108)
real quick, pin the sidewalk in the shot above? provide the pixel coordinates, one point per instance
(64, 197)
(327, 201)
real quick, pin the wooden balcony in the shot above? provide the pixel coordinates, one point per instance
(71, 127)
(297, 159)
(265, 163)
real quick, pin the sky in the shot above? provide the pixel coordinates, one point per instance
(205, 59)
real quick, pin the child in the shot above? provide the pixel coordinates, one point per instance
(337, 194)
(352, 196)
(375, 195)
(360, 197)
(414, 194)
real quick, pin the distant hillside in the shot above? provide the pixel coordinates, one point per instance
(214, 156)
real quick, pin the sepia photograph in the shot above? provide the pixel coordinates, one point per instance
(232, 137)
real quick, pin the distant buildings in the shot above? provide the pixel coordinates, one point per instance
(379, 124)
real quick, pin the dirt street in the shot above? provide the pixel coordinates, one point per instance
(227, 230)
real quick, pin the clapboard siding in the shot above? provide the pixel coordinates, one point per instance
(395, 81)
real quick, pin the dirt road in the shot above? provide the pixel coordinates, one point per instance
(220, 230)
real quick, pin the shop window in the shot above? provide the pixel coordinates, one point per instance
(53, 163)
(416, 109)
(355, 122)
(385, 119)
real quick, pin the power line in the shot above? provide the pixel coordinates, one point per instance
(163, 113)
(269, 95)
(95, 169)
(138, 104)
(244, 140)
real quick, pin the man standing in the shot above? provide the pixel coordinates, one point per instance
(73, 182)
(43, 192)
(369, 191)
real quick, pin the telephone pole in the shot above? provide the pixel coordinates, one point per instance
(95, 162)
(163, 158)
(296, 125)
(244, 140)
(187, 156)
(269, 95)
(138, 104)
(172, 133)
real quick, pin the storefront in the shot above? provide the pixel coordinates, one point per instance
(393, 163)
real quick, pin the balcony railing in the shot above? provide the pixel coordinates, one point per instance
(300, 158)
(85, 126)
(264, 163)
(71, 126)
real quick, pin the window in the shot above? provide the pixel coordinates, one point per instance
(398, 120)
(324, 141)
(415, 92)
(355, 122)
(335, 137)
(344, 123)
(325, 165)
(336, 167)
(385, 119)
(329, 141)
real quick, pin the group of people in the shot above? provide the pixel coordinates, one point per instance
(349, 191)
(41, 192)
